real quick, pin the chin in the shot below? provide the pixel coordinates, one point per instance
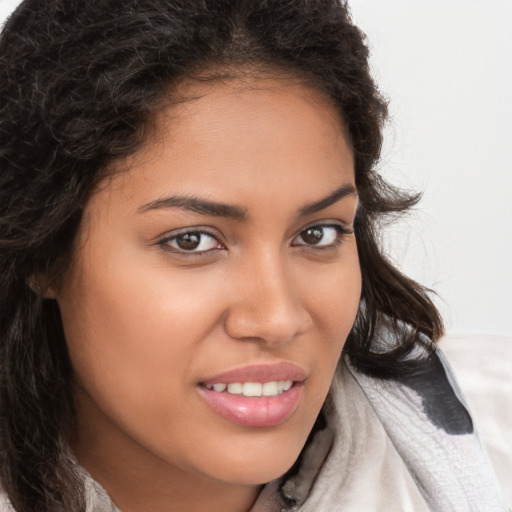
(257, 464)
(251, 473)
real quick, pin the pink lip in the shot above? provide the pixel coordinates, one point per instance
(262, 411)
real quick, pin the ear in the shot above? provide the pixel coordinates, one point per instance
(41, 285)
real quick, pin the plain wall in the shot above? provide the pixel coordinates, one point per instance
(6, 7)
(446, 67)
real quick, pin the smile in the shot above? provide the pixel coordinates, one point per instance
(256, 395)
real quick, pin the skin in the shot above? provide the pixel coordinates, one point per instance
(146, 322)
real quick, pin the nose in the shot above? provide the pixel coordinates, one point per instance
(267, 306)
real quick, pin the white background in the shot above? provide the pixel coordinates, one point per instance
(446, 67)
(6, 6)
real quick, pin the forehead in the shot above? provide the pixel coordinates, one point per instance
(250, 102)
(240, 138)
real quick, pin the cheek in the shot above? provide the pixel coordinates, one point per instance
(130, 322)
(135, 348)
(333, 301)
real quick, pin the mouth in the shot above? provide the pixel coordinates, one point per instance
(255, 396)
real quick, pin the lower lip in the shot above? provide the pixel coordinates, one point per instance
(264, 411)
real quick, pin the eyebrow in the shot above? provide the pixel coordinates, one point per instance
(197, 205)
(204, 207)
(345, 190)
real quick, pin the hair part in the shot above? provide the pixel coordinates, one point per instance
(79, 91)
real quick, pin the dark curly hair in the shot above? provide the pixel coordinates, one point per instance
(80, 82)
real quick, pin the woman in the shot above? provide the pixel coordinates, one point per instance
(189, 221)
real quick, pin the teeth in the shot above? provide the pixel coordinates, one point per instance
(235, 388)
(272, 388)
(269, 389)
(252, 389)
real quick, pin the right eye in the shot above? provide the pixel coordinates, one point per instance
(192, 242)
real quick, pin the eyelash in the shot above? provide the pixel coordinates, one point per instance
(341, 232)
(165, 243)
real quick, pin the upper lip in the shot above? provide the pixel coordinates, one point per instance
(259, 373)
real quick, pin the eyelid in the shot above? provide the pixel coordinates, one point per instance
(349, 228)
(341, 228)
(164, 240)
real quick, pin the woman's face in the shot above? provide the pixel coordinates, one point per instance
(223, 255)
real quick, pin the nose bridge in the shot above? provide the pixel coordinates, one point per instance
(267, 305)
(272, 284)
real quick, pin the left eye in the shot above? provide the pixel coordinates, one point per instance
(191, 242)
(320, 236)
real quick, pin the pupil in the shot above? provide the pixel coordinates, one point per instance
(188, 241)
(312, 235)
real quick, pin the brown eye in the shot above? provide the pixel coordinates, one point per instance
(191, 242)
(312, 236)
(188, 241)
(322, 236)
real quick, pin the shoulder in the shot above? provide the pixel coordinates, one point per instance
(483, 367)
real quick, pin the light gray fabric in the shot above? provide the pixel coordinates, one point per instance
(451, 469)
(483, 367)
(363, 470)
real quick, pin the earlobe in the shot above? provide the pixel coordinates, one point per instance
(41, 285)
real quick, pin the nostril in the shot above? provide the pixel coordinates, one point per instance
(276, 326)
(267, 307)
